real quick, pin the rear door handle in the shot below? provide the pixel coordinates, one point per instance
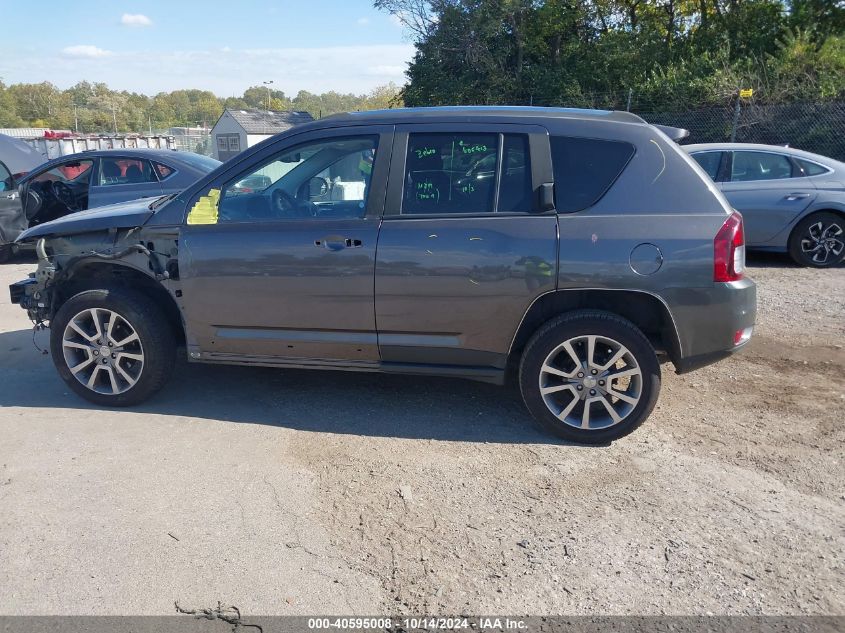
(791, 197)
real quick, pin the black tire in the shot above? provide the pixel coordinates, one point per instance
(806, 233)
(585, 323)
(152, 328)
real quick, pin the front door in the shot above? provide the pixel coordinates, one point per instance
(769, 192)
(12, 220)
(464, 248)
(277, 258)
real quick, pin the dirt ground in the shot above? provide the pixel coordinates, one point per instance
(292, 492)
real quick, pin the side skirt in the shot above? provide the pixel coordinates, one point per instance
(483, 374)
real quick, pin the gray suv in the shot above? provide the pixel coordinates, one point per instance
(574, 250)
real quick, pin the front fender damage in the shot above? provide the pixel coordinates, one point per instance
(61, 259)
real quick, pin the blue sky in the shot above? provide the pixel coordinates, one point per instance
(225, 47)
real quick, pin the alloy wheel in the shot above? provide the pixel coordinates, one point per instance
(591, 382)
(821, 242)
(103, 351)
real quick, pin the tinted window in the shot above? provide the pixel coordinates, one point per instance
(326, 178)
(450, 173)
(760, 166)
(585, 168)
(709, 162)
(811, 169)
(515, 187)
(125, 171)
(163, 171)
(457, 173)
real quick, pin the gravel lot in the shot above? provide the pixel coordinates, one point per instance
(292, 492)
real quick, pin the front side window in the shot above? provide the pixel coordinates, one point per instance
(709, 162)
(749, 166)
(73, 171)
(459, 173)
(585, 168)
(125, 171)
(329, 178)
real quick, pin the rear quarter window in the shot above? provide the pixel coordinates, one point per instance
(585, 168)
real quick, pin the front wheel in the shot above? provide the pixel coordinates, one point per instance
(113, 347)
(589, 377)
(818, 241)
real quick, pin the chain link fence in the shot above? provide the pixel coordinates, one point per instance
(814, 127)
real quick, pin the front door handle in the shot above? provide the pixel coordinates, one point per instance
(336, 243)
(791, 197)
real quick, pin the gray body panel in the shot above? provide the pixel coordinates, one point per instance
(434, 294)
(772, 208)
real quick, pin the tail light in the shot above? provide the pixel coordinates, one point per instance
(729, 250)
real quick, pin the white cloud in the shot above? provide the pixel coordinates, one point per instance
(363, 21)
(137, 20)
(85, 50)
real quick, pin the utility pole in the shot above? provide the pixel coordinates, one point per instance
(630, 96)
(75, 119)
(114, 118)
(737, 107)
(267, 83)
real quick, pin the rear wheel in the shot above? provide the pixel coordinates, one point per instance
(589, 377)
(112, 346)
(818, 240)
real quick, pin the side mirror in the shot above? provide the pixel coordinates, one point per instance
(547, 196)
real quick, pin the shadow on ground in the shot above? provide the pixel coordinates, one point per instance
(367, 404)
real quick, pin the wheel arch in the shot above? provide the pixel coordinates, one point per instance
(644, 309)
(825, 208)
(93, 274)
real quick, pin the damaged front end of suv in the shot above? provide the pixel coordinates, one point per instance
(114, 251)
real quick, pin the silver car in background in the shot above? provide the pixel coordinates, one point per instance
(792, 201)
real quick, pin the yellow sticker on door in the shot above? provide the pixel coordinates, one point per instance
(205, 209)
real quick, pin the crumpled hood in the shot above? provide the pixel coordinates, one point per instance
(123, 215)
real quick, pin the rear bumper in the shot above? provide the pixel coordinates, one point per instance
(708, 321)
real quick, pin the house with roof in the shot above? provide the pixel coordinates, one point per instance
(236, 130)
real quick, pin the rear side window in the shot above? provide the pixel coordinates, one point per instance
(164, 172)
(459, 173)
(125, 171)
(585, 168)
(709, 162)
(811, 169)
(749, 166)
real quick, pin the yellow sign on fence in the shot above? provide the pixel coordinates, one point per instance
(746, 93)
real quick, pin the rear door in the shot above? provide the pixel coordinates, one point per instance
(123, 178)
(768, 189)
(463, 248)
